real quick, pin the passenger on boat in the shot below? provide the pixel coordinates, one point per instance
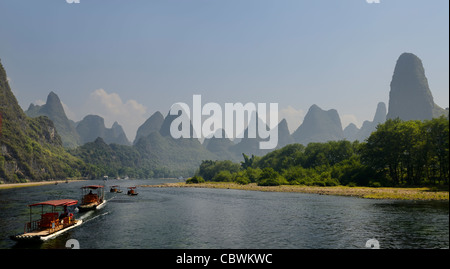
(64, 214)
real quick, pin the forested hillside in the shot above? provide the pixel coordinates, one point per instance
(30, 147)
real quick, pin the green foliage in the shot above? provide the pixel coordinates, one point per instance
(223, 176)
(195, 179)
(209, 169)
(269, 177)
(398, 153)
(410, 152)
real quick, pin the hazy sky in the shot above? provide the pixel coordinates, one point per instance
(126, 59)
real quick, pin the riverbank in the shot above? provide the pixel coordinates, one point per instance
(33, 184)
(360, 192)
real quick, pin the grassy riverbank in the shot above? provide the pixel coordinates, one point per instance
(361, 192)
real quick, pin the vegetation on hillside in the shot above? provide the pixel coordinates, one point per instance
(398, 153)
(30, 148)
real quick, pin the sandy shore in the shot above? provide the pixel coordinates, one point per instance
(33, 184)
(361, 192)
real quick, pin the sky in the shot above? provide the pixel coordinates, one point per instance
(126, 59)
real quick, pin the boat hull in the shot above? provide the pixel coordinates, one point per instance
(91, 206)
(35, 237)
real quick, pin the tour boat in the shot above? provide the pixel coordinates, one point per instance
(115, 188)
(90, 200)
(50, 224)
(132, 191)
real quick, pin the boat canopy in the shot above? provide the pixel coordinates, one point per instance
(67, 202)
(92, 187)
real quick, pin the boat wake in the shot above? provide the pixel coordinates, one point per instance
(86, 219)
(86, 216)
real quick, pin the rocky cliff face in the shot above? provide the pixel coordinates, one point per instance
(30, 148)
(54, 110)
(410, 97)
(319, 126)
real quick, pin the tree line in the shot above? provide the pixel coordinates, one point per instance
(398, 153)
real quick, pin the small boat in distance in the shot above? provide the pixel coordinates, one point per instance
(90, 200)
(115, 188)
(50, 224)
(132, 191)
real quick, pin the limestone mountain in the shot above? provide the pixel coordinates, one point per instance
(31, 148)
(370, 126)
(251, 146)
(221, 147)
(182, 155)
(319, 126)
(54, 110)
(351, 132)
(152, 124)
(160, 150)
(410, 97)
(93, 126)
(284, 136)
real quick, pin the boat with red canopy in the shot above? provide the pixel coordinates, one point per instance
(49, 224)
(116, 189)
(132, 191)
(91, 200)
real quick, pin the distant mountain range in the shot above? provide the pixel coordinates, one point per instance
(153, 148)
(79, 133)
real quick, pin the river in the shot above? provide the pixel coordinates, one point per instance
(190, 218)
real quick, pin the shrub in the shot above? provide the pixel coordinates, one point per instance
(195, 179)
(223, 176)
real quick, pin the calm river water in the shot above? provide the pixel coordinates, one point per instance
(187, 218)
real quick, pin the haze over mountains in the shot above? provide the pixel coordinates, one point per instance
(154, 148)
(410, 98)
(72, 133)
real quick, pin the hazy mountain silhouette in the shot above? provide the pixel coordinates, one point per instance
(410, 97)
(93, 126)
(351, 132)
(152, 124)
(54, 110)
(368, 126)
(319, 126)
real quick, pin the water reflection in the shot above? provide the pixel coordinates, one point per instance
(213, 218)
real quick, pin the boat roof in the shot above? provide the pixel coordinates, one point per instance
(131, 187)
(62, 202)
(92, 187)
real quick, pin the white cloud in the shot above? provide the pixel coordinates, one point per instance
(39, 102)
(130, 114)
(293, 117)
(349, 118)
